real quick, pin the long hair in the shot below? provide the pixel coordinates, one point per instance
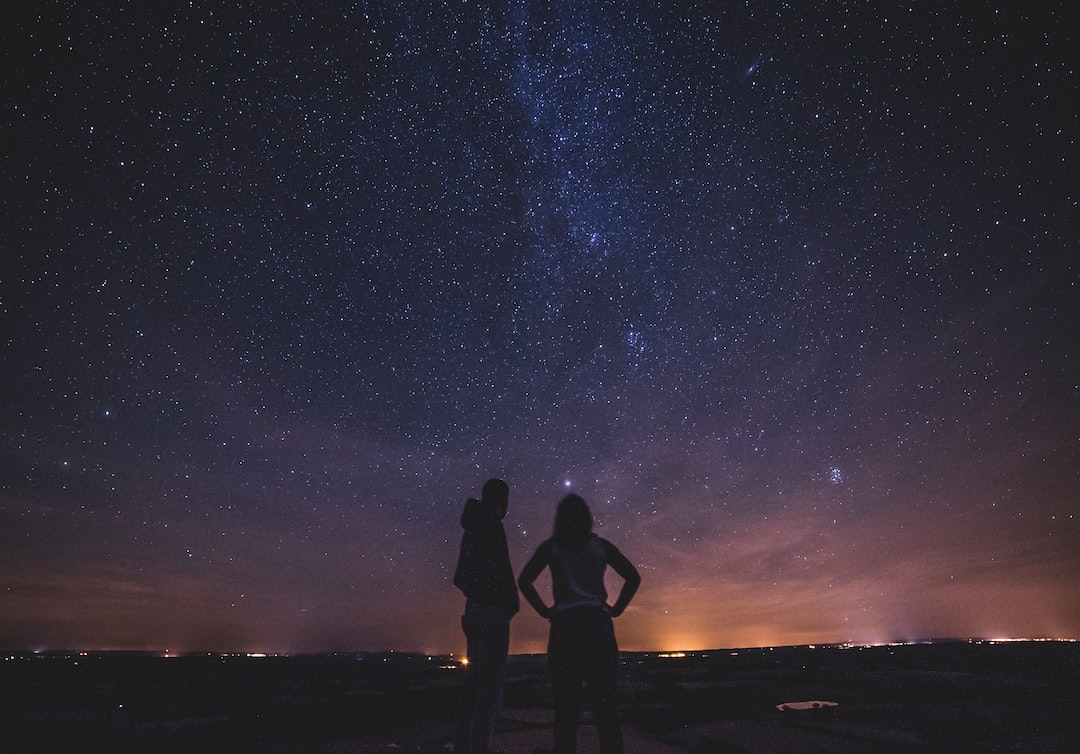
(573, 522)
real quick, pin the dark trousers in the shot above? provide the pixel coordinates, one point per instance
(582, 649)
(487, 636)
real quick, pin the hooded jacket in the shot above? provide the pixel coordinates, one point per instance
(483, 572)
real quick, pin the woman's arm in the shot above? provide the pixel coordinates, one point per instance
(536, 565)
(631, 579)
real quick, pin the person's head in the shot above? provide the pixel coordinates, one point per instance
(573, 522)
(496, 493)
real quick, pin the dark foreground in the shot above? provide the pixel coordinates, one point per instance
(942, 697)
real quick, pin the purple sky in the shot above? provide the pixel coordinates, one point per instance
(789, 296)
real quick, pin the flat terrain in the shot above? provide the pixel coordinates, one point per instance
(941, 697)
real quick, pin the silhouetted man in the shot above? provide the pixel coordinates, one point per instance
(486, 577)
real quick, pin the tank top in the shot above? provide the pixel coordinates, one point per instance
(577, 575)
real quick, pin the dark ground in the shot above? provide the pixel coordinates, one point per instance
(941, 697)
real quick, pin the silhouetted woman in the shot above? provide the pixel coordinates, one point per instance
(581, 645)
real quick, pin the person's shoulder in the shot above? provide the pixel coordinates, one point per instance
(608, 546)
(543, 554)
(478, 515)
(471, 513)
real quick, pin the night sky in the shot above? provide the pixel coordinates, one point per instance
(788, 292)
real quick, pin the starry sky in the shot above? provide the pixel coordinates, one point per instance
(787, 291)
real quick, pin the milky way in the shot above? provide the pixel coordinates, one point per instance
(789, 295)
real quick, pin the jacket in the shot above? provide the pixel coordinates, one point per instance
(483, 571)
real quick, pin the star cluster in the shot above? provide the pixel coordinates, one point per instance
(788, 294)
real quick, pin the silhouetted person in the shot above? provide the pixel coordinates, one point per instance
(581, 645)
(486, 577)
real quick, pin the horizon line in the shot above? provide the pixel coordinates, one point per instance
(664, 653)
